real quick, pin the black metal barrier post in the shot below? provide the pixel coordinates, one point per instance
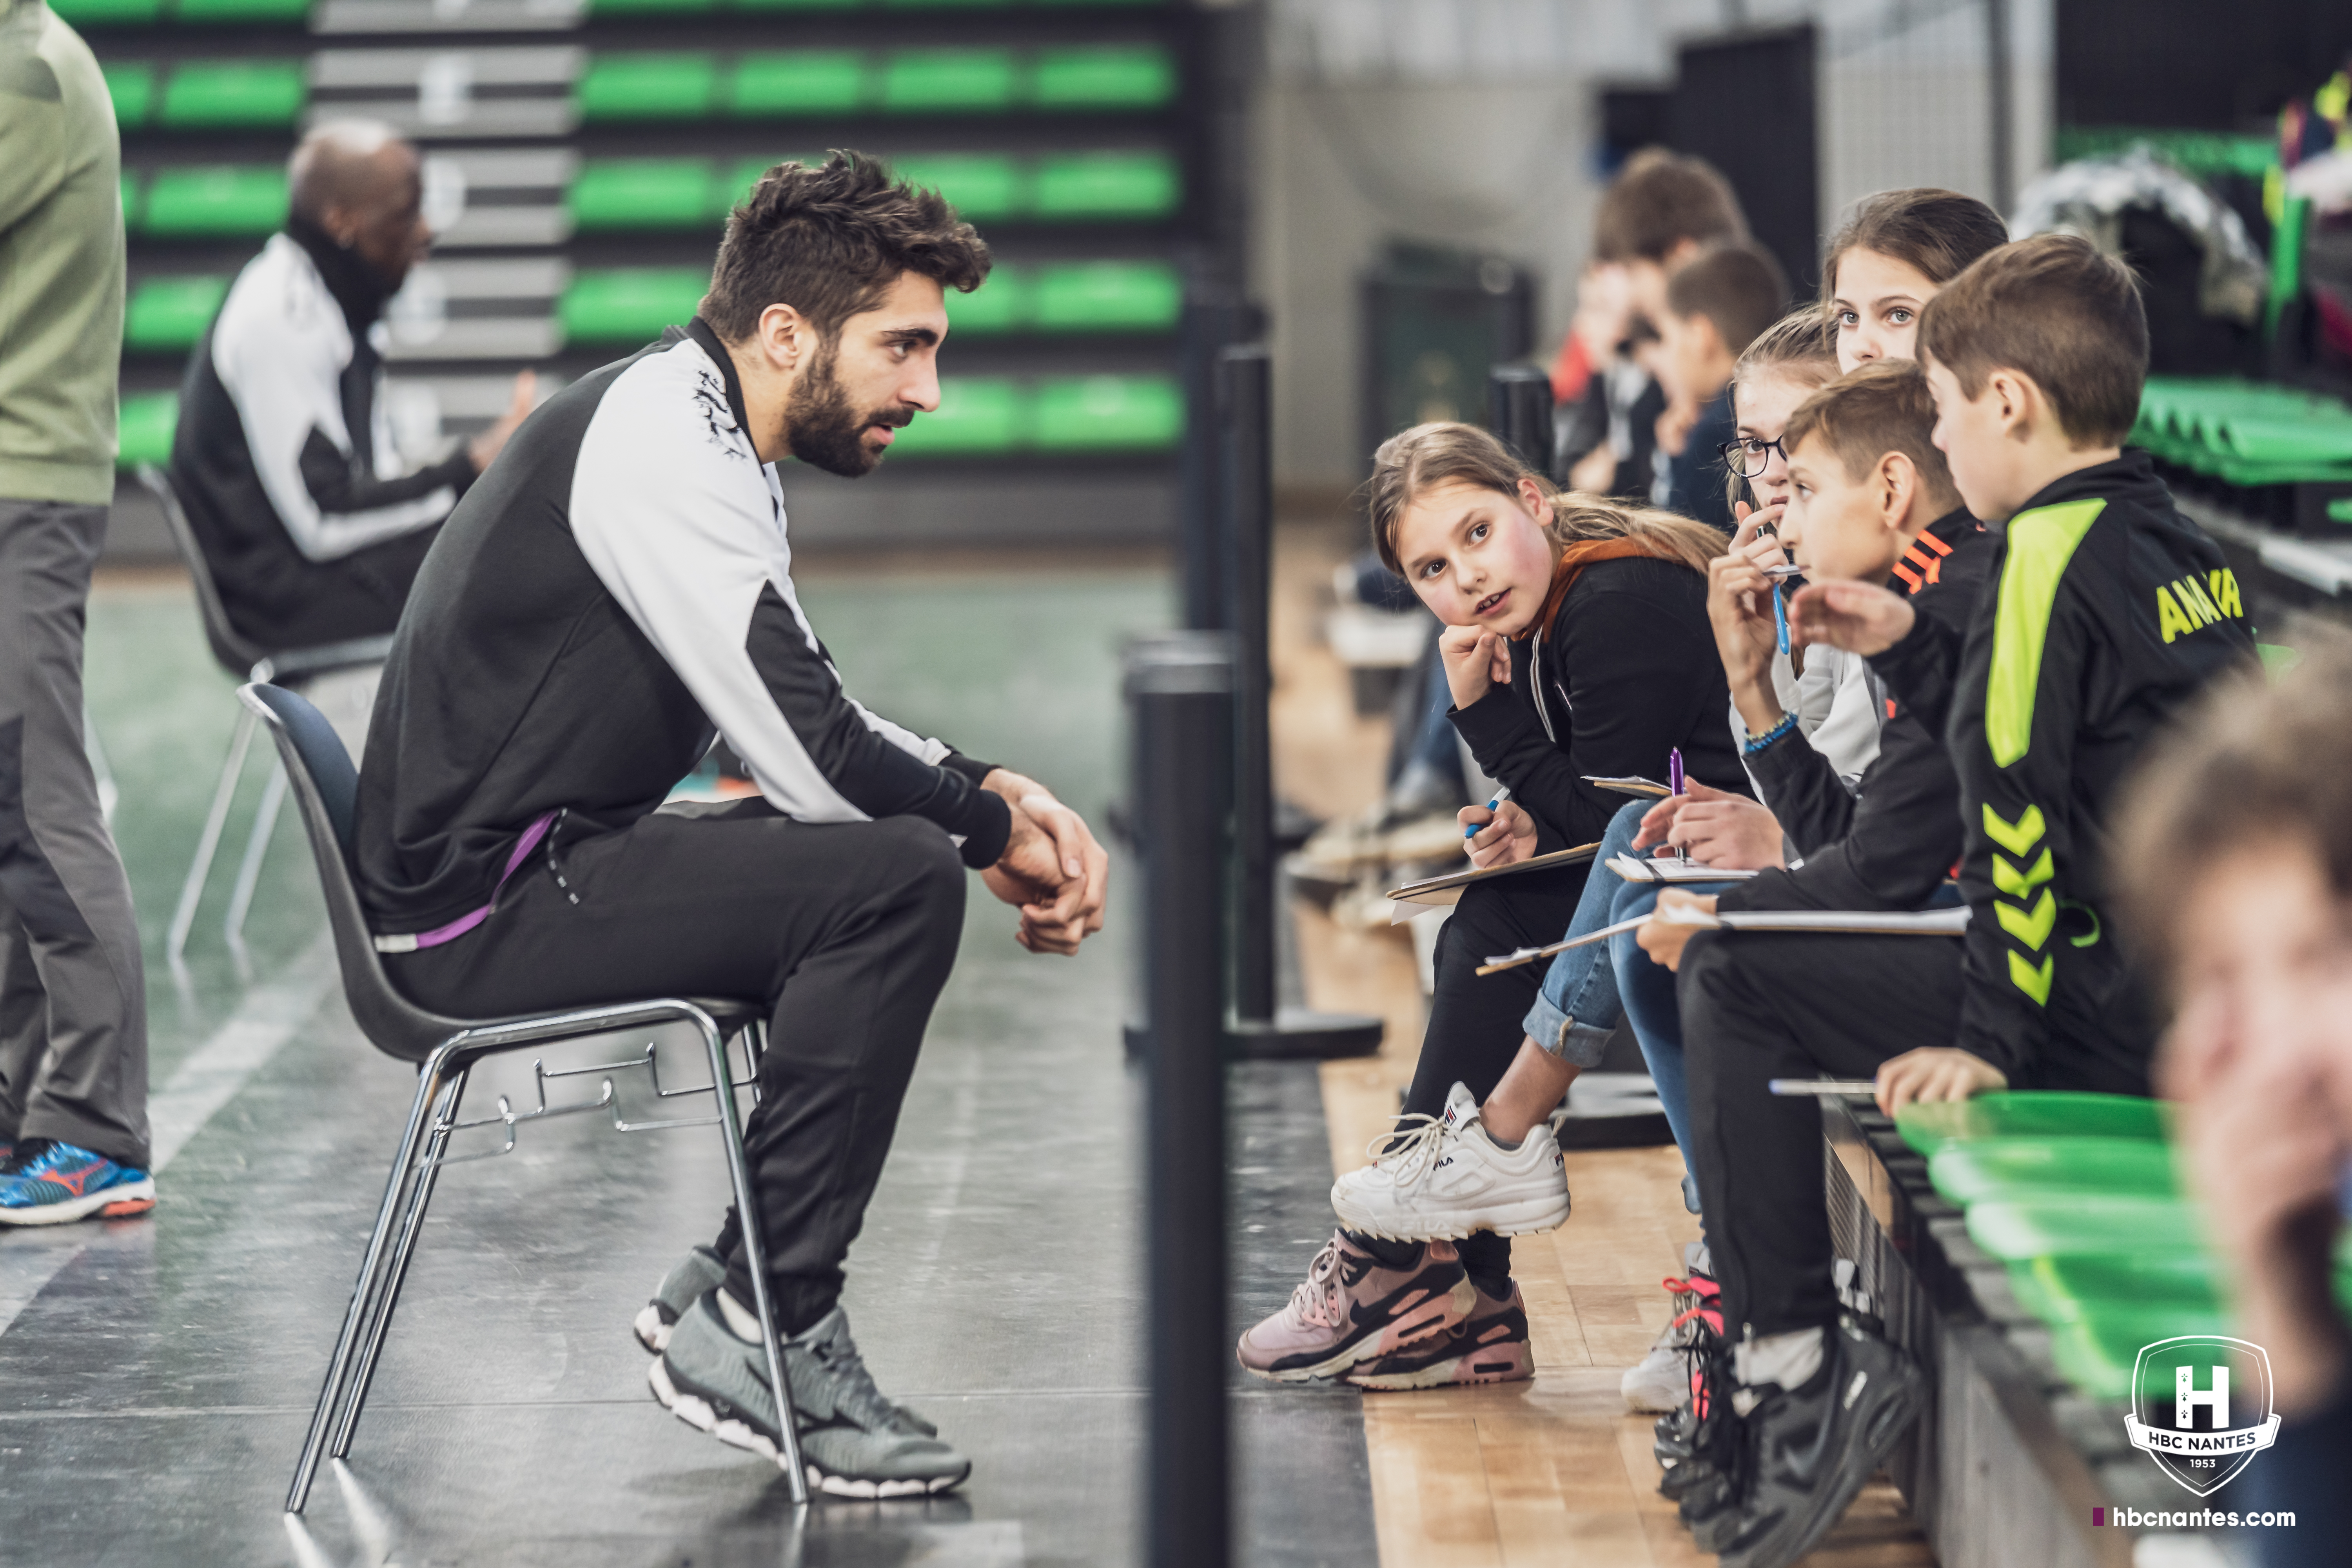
(1262, 1027)
(1518, 409)
(1180, 691)
(1214, 318)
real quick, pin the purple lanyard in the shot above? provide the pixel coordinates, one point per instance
(529, 841)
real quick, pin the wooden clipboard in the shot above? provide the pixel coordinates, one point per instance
(1440, 892)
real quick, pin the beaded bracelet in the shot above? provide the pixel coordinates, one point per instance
(1755, 743)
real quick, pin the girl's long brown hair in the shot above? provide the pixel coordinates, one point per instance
(1428, 456)
(1800, 345)
(1935, 233)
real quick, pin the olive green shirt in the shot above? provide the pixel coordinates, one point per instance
(61, 263)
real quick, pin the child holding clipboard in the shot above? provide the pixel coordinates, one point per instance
(1576, 644)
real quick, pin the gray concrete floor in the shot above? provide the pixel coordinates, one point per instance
(156, 1375)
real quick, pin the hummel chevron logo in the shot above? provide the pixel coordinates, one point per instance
(2018, 884)
(2031, 927)
(2033, 981)
(2017, 837)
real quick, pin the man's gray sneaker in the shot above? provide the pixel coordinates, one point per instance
(853, 1441)
(701, 1269)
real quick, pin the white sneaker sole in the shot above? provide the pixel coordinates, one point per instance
(698, 1413)
(1519, 1217)
(142, 1194)
(1457, 1306)
(652, 1332)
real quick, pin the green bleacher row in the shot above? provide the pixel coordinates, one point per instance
(631, 304)
(637, 193)
(2076, 1195)
(235, 13)
(978, 416)
(765, 85)
(2245, 433)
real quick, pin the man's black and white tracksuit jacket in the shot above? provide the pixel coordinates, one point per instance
(617, 586)
(284, 452)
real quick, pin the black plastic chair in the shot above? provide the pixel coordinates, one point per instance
(326, 792)
(247, 660)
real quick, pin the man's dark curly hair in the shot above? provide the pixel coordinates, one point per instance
(830, 241)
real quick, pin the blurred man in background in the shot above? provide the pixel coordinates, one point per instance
(73, 999)
(312, 522)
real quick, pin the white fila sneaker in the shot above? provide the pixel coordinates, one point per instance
(1447, 1178)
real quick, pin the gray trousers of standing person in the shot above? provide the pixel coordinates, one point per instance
(73, 993)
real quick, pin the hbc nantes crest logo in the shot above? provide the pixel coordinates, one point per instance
(2201, 1408)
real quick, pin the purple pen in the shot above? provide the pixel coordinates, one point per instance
(1675, 771)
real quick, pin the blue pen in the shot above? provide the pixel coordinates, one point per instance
(1779, 619)
(1502, 793)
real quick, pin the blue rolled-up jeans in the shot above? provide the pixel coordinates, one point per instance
(1578, 1010)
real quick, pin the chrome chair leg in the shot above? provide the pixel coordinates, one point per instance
(429, 1084)
(192, 890)
(755, 1257)
(445, 1115)
(257, 846)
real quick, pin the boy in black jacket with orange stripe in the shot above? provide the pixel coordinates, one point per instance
(2080, 650)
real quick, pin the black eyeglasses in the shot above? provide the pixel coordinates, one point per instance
(1748, 456)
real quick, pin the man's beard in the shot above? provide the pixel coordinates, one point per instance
(826, 432)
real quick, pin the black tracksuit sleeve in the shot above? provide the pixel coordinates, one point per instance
(1630, 693)
(1921, 668)
(1811, 804)
(342, 483)
(1905, 835)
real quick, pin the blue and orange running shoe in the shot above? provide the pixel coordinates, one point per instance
(48, 1183)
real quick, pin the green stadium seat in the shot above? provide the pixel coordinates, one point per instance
(642, 192)
(1108, 412)
(798, 5)
(1115, 78)
(130, 193)
(981, 186)
(132, 88)
(1992, 1168)
(997, 307)
(203, 93)
(143, 433)
(1106, 185)
(171, 313)
(2031, 1113)
(805, 82)
(208, 202)
(631, 305)
(1107, 297)
(108, 13)
(977, 416)
(235, 11)
(2098, 1353)
(648, 86)
(949, 81)
(2060, 1224)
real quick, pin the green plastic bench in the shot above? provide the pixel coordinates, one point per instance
(798, 5)
(1107, 414)
(235, 11)
(949, 81)
(2063, 1225)
(602, 8)
(143, 429)
(803, 81)
(980, 185)
(977, 416)
(997, 307)
(171, 313)
(1107, 297)
(200, 94)
(2098, 1352)
(630, 305)
(642, 194)
(1973, 1171)
(1115, 78)
(132, 86)
(2031, 1113)
(1067, 186)
(132, 191)
(648, 86)
(108, 13)
(213, 201)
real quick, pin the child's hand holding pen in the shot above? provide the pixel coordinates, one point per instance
(1498, 833)
(1739, 607)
